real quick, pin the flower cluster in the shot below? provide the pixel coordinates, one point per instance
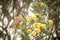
(37, 25)
(33, 25)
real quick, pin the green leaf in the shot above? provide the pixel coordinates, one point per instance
(24, 37)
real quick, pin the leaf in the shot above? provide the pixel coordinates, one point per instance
(24, 37)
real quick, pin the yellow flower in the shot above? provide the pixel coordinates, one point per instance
(50, 21)
(36, 16)
(33, 33)
(29, 31)
(43, 26)
(35, 19)
(30, 19)
(36, 25)
(37, 30)
(42, 3)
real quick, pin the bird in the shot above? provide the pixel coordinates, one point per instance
(16, 21)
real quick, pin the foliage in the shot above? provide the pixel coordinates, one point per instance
(33, 26)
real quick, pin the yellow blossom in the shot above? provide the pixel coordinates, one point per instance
(43, 26)
(36, 16)
(35, 19)
(29, 31)
(50, 21)
(36, 25)
(37, 30)
(42, 3)
(30, 19)
(33, 33)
